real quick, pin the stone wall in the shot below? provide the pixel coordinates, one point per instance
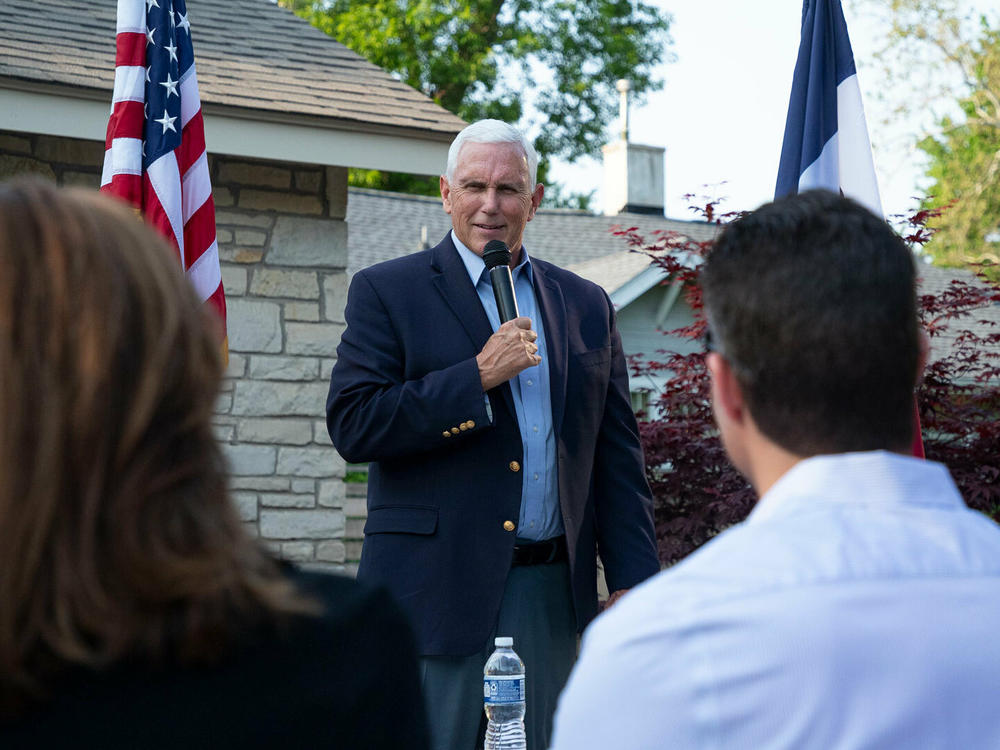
(283, 250)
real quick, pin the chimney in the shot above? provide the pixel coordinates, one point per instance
(633, 174)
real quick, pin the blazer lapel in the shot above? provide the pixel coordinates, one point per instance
(453, 283)
(552, 308)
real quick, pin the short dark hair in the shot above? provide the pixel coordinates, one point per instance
(812, 301)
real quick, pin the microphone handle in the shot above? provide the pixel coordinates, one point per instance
(503, 291)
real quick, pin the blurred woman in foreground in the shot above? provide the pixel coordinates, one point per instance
(134, 609)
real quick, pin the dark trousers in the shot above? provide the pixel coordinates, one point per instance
(537, 611)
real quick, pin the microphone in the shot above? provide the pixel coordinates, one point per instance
(497, 258)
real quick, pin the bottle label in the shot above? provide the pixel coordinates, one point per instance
(503, 689)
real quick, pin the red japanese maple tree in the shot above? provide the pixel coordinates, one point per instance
(697, 491)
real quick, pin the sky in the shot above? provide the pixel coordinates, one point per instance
(721, 113)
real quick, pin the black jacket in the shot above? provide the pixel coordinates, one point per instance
(347, 679)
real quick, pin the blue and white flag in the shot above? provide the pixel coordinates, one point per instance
(826, 141)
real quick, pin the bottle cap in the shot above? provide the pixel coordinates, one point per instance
(503, 641)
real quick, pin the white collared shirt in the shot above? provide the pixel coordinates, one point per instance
(857, 607)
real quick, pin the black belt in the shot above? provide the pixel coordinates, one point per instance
(541, 553)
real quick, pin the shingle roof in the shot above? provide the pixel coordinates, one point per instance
(568, 237)
(612, 271)
(250, 54)
(935, 280)
(386, 225)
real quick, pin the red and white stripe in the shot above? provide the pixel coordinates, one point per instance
(175, 193)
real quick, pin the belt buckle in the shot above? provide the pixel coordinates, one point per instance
(537, 553)
(553, 550)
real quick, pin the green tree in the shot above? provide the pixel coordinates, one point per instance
(549, 65)
(941, 61)
(965, 164)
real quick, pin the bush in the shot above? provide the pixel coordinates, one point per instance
(697, 492)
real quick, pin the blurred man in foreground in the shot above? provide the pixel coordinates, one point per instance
(859, 603)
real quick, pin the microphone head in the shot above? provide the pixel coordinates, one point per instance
(496, 254)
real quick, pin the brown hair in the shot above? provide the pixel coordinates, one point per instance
(117, 536)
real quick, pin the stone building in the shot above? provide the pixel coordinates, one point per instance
(287, 111)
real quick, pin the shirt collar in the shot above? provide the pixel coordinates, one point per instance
(476, 267)
(864, 478)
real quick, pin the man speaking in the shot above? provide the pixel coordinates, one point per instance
(504, 455)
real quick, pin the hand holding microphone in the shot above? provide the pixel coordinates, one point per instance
(512, 348)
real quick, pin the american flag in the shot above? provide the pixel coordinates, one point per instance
(826, 142)
(155, 154)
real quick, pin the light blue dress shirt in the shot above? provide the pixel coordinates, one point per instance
(540, 517)
(857, 607)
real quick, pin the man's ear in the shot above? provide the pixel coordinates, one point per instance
(536, 199)
(445, 193)
(727, 395)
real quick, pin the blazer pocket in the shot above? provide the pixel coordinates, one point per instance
(402, 519)
(594, 357)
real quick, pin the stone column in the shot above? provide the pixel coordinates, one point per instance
(283, 247)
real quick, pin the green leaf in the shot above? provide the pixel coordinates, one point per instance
(494, 58)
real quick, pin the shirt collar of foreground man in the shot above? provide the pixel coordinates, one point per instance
(858, 604)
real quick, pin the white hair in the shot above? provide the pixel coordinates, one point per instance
(492, 131)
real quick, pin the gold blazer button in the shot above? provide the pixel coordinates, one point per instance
(514, 466)
(508, 525)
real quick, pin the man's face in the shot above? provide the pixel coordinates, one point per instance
(490, 197)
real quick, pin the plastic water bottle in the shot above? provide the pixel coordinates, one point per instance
(503, 698)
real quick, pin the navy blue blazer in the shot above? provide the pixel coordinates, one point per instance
(444, 479)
